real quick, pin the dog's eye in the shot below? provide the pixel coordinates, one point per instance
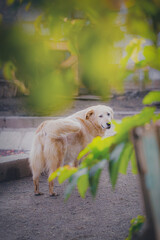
(100, 116)
(108, 114)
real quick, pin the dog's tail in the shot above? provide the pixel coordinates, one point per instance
(36, 158)
(53, 129)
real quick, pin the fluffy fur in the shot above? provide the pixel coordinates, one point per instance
(58, 142)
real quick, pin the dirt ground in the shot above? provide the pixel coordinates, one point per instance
(24, 216)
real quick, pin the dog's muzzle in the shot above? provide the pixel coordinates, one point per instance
(108, 125)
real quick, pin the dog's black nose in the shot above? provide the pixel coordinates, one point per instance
(108, 125)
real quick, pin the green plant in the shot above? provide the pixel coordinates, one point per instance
(136, 225)
(92, 32)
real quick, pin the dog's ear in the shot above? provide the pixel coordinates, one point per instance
(111, 112)
(89, 114)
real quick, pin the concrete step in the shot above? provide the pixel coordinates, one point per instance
(19, 139)
(15, 166)
(33, 122)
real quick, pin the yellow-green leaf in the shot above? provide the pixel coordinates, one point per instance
(125, 158)
(65, 173)
(134, 164)
(27, 7)
(83, 153)
(53, 175)
(152, 97)
(10, 2)
(83, 184)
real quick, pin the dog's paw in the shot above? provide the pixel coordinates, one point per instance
(54, 194)
(39, 194)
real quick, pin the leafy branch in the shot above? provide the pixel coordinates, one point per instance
(116, 150)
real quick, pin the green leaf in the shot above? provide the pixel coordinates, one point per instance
(66, 172)
(10, 2)
(152, 56)
(71, 185)
(136, 224)
(125, 158)
(97, 150)
(156, 117)
(27, 7)
(83, 184)
(114, 162)
(89, 161)
(83, 153)
(73, 181)
(8, 70)
(152, 97)
(63, 173)
(53, 175)
(134, 163)
(128, 123)
(132, 51)
(149, 53)
(94, 174)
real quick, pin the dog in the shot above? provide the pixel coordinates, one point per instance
(58, 142)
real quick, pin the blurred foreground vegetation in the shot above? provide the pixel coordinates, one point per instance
(55, 46)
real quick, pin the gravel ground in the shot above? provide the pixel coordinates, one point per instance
(24, 216)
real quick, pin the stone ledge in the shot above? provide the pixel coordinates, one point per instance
(22, 122)
(14, 168)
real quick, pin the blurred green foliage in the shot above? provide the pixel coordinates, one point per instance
(37, 66)
(92, 30)
(152, 97)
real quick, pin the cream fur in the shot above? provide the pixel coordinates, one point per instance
(58, 142)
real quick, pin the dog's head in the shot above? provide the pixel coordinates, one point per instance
(101, 116)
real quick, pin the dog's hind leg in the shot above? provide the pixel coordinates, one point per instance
(36, 187)
(55, 158)
(53, 168)
(36, 171)
(51, 184)
(36, 182)
(36, 161)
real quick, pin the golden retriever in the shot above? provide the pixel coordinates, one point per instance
(58, 142)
